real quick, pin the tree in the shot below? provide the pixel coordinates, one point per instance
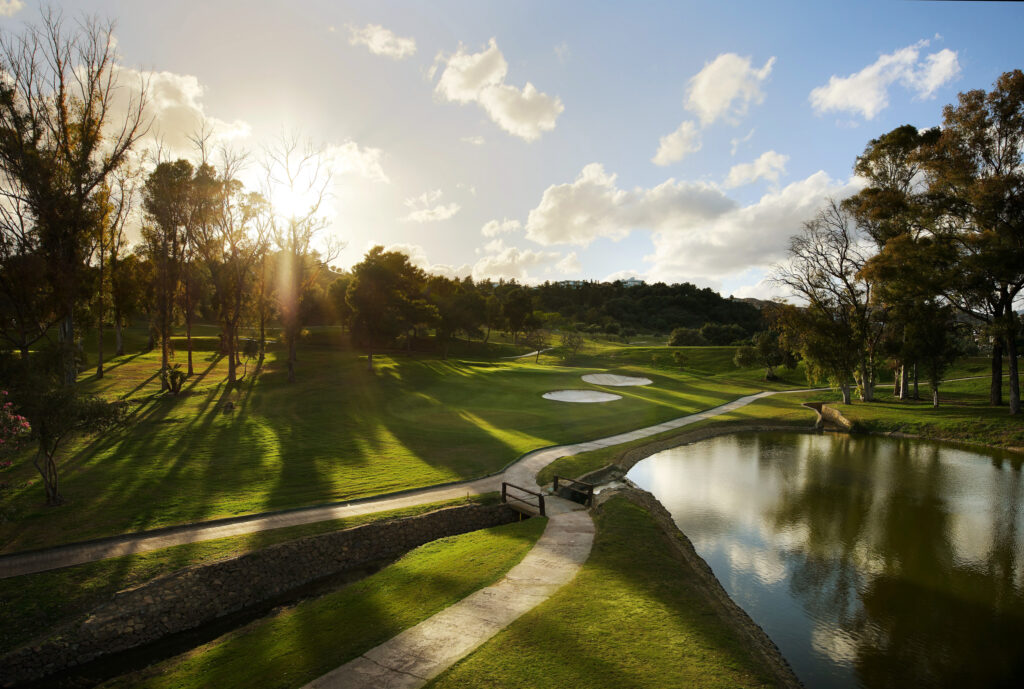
(977, 180)
(572, 342)
(59, 143)
(114, 203)
(766, 352)
(231, 236)
(297, 179)
(686, 337)
(517, 307)
(384, 298)
(837, 334)
(167, 200)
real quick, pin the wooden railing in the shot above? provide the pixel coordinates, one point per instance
(538, 505)
(585, 489)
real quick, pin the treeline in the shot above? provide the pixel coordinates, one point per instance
(925, 262)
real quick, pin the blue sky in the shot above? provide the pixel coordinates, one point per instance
(522, 139)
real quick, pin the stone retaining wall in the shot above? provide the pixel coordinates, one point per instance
(197, 595)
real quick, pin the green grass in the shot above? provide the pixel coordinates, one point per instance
(301, 643)
(339, 433)
(963, 415)
(635, 616)
(33, 604)
(780, 410)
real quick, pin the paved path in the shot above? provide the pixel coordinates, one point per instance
(521, 473)
(420, 653)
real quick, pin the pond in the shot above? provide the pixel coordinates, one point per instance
(869, 561)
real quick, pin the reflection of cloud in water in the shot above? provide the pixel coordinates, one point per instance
(763, 563)
(831, 641)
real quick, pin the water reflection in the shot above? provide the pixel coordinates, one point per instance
(871, 562)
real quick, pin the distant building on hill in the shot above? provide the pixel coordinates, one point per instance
(632, 282)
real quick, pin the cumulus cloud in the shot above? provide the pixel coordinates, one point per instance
(673, 147)
(867, 92)
(480, 78)
(351, 158)
(569, 265)
(496, 227)
(174, 108)
(474, 140)
(769, 165)
(508, 262)
(726, 87)
(9, 8)
(427, 208)
(382, 41)
(755, 235)
(593, 206)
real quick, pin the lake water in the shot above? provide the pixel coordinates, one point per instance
(870, 562)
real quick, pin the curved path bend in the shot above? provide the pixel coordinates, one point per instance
(523, 473)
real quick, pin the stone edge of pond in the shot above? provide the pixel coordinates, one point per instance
(760, 645)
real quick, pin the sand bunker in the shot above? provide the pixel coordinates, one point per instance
(581, 396)
(611, 379)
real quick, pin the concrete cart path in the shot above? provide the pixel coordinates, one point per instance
(420, 653)
(521, 473)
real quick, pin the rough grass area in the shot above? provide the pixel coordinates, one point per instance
(339, 433)
(777, 410)
(34, 604)
(301, 643)
(963, 415)
(634, 617)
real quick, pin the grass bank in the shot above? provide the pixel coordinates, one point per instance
(301, 643)
(34, 604)
(637, 615)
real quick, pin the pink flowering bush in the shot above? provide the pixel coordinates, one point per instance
(13, 428)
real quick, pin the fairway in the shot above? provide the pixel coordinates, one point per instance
(340, 432)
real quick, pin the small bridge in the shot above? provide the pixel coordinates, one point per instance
(527, 501)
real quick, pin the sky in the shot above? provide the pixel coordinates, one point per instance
(674, 142)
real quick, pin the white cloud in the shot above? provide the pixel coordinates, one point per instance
(9, 8)
(755, 235)
(569, 265)
(349, 157)
(769, 165)
(418, 257)
(762, 289)
(673, 147)
(562, 51)
(480, 78)
(474, 140)
(867, 92)
(726, 87)
(509, 262)
(734, 144)
(175, 108)
(382, 41)
(593, 206)
(427, 208)
(495, 227)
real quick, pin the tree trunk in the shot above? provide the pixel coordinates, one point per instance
(67, 339)
(1011, 354)
(118, 334)
(47, 468)
(845, 389)
(866, 393)
(232, 374)
(263, 338)
(188, 339)
(995, 392)
(904, 382)
(896, 381)
(99, 344)
(488, 335)
(935, 396)
(291, 357)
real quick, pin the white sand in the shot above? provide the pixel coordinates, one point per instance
(611, 379)
(581, 396)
